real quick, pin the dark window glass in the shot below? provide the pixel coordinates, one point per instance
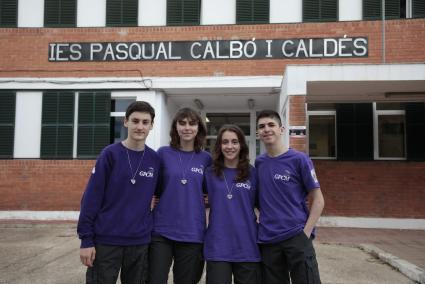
(57, 126)
(8, 13)
(121, 13)
(7, 123)
(94, 109)
(322, 136)
(354, 131)
(252, 11)
(183, 12)
(415, 129)
(320, 10)
(391, 136)
(60, 13)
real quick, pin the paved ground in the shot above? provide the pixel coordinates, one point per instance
(48, 253)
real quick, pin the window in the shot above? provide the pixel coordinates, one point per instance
(7, 123)
(121, 13)
(320, 10)
(321, 134)
(418, 8)
(8, 13)
(252, 11)
(183, 12)
(415, 128)
(118, 108)
(60, 13)
(94, 110)
(57, 125)
(394, 9)
(389, 131)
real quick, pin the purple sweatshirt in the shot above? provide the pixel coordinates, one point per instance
(232, 229)
(284, 183)
(114, 211)
(180, 213)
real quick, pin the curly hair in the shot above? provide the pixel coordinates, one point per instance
(218, 157)
(192, 115)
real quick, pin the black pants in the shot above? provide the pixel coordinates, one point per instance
(109, 260)
(220, 272)
(188, 261)
(293, 259)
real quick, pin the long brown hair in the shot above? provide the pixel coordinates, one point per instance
(218, 157)
(193, 115)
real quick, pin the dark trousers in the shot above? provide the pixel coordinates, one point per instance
(220, 272)
(109, 260)
(188, 261)
(293, 259)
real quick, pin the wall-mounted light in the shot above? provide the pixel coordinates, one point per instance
(251, 103)
(198, 103)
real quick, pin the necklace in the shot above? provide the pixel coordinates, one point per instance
(183, 180)
(229, 191)
(133, 176)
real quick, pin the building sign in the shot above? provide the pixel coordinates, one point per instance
(301, 48)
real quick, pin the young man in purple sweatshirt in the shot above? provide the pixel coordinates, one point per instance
(115, 220)
(286, 179)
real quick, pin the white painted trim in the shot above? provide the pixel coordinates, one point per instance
(23, 83)
(376, 223)
(324, 221)
(40, 215)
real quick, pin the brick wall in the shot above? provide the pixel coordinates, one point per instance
(372, 189)
(43, 184)
(25, 50)
(368, 189)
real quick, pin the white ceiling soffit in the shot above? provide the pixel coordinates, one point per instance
(365, 91)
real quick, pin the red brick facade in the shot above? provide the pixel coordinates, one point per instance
(25, 50)
(374, 189)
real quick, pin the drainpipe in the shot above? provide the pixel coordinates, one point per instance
(383, 32)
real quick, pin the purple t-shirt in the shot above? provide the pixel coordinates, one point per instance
(114, 211)
(232, 229)
(180, 213)
(284, 183)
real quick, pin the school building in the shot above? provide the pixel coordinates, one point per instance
(347, 77)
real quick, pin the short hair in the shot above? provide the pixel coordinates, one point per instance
(140, 106)
(218, 157)
(270, 114)
(193, 115)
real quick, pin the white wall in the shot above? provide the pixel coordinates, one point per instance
(165, 112)
(91, 13)
(152, 12)
(217, 12)
(286, 11)
(30, 13)
(28, 124)
(350, 10)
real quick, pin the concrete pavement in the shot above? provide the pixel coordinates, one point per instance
(48, 253)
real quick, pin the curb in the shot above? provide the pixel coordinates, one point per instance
(408, 269)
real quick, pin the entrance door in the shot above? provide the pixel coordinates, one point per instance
(245, 120)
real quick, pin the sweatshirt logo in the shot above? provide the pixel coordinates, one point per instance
(149, 173)
(286, 176)
(199, 170)
(244, 185)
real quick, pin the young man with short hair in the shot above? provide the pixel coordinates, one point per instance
(115, 220)
(286, 179)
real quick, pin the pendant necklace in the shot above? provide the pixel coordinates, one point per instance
(229, 191)
(183, 179)
(133, 176)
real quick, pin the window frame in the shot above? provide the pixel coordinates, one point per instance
(182, 21)
(376, 114)
(322, 113)
(123, 16)
(60, 24)
(9, 25)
